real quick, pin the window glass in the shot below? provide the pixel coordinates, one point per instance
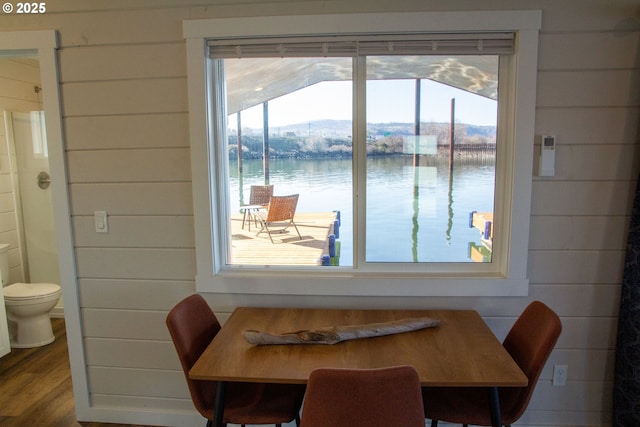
(293, 129)
(290, 127)
(423, 199)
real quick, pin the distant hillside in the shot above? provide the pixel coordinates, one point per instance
(334, 128)
(333, 138)
(343, 129)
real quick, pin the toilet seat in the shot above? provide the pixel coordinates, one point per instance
(30, 291)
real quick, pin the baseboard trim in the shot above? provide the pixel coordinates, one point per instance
(57, 313)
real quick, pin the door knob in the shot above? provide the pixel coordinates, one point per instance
(44, 180)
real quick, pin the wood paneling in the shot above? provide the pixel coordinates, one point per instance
(601, 198)
(132, 354)
(141, 96)
(138, 382)
(172, 198)
(577, 267)
(6, 201)
(611, 88)
(136, 231)
(136, 263)
(123, 62)
(146, 325)
(597, 162)
(578, 232)
(593, 125)
(133, 165)
(135, 131)
(141, 294)
(122, 27)
(589, 50)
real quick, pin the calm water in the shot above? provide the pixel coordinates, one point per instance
(412, 216)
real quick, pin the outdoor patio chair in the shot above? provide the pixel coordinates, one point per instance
(279, 215)
(259, 197)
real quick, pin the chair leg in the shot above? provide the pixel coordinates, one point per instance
(434, 423)
(297, 420)
(297, 231)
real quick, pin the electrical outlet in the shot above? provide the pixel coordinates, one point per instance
(560, 375)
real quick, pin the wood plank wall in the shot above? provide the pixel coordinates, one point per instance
(124, 90)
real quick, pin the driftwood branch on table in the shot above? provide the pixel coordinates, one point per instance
(336, 334)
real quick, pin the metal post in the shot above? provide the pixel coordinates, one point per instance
(239, 146)
(416, 175)
(452, 133)
(239, 142)
(416, 127)
(265, 155)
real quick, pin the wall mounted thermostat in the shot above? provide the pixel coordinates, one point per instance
(548, 156)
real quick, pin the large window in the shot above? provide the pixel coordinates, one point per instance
(403, 149)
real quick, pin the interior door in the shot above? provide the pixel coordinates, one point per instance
(32, 159)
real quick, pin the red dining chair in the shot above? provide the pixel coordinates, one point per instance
(529, 342)
(193, 325)
(383, 397)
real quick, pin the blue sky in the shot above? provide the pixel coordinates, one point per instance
(388, 101)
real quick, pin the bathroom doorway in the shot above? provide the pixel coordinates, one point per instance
(44, 45)
(26, 143)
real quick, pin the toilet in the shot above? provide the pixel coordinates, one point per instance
(28, 306)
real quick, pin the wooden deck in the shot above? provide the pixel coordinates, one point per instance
(250, 248)
(483, 222)
(479, 253)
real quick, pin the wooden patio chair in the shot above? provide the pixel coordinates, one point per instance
(259, 196)
(280, 213)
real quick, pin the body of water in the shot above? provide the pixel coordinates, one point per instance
(414, 214)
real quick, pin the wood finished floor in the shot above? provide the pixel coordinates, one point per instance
(35, 386)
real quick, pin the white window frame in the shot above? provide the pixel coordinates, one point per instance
(508, 277)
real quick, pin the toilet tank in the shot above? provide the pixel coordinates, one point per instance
(4, 263)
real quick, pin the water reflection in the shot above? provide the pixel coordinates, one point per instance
(450, 207)
(407, 207)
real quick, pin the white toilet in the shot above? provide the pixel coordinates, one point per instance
(28, 306)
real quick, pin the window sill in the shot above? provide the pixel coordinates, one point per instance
(361, 284)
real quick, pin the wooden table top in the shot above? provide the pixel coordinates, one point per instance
(461, 351)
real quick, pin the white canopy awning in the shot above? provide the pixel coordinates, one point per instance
(253, 81)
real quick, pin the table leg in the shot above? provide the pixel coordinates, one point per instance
(494, 407)
(218, 413)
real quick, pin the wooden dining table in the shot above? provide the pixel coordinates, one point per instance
(461, 351)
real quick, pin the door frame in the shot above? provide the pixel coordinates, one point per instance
(45, 44)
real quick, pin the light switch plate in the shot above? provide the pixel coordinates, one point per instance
(101, 222)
